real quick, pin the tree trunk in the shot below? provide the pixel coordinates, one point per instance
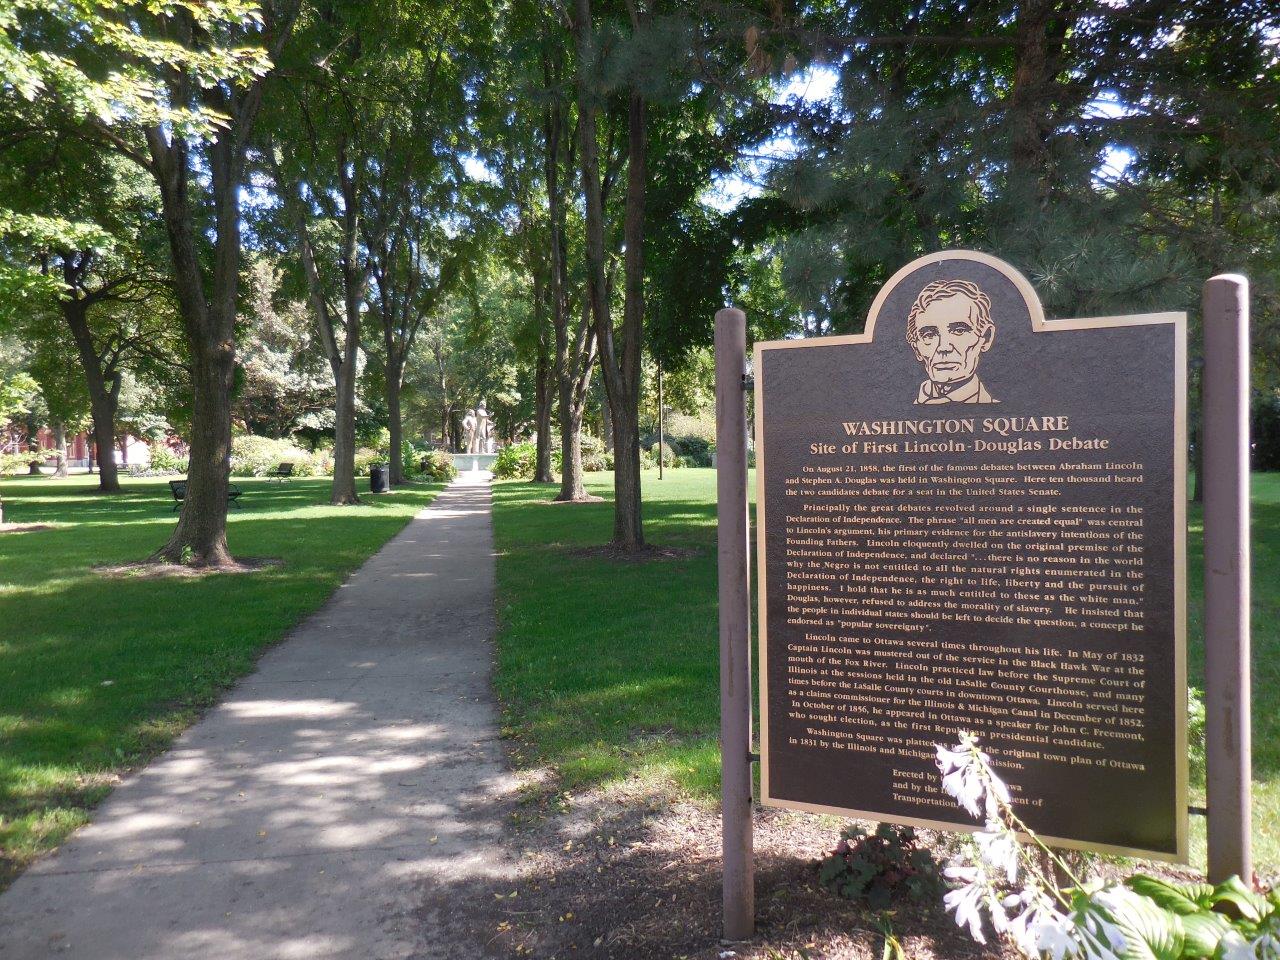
(574, 358)
(624, 392)
(207, 291)
(394, 377)
(104, 394)
(571, 486)
(606, 419)
(621, 373)
(33, 447)
(627, 530)
(542, 388)
(343, 491)
(102, 404)
(60, 444)
(542, 419)
(200, 538)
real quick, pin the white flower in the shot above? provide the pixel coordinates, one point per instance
(964, 782)
(1054, 935)
(1028, 928)
(967, 902)
(967, 776)
(999, 848)
(949, 759)
(962, 874)
(997, 792)
(1236, 947)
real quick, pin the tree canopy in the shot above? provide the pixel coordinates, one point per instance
(319, 220)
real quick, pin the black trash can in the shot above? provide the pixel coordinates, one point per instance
(380, 478)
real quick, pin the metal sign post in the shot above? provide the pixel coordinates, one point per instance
(733, 535)
(1226, 574)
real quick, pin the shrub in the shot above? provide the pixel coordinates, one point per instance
(164, 460)
(253, 456)
(1266, 432)
(411, 455)
(876, 867)
(668, 454)
(701, 425)
(516, 462)
(696, 450)
(595, 462)
(1196, 746)
(366, 458)
(15, 462)
(435, 465)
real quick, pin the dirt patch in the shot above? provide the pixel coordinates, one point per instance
(645, 554)
(624, 873)
(24, 527)
(569, 503)
(157, 571)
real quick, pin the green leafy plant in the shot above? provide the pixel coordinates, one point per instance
(366, 458)
(695, 450)
(15, 462)
(1009, 882)
(515, 462)
(881, 866)
(164, 460)
(667, 453)
(1195, 732)
(435, 465)
(253, 456)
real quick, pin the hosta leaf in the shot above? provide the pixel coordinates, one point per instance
(1170, 896)
(1150, 932)
(1233, 898)
(1204, 932)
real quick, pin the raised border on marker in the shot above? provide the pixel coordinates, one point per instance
(1039, 325)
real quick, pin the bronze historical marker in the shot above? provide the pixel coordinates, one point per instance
(971, 517)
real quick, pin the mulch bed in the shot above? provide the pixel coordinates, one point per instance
(645, 554)
(146, 570)
(623, 873)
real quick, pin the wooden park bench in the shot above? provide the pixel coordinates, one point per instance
(282, 473)
(179, 488)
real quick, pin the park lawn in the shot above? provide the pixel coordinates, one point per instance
(608, 669)
(98, 674)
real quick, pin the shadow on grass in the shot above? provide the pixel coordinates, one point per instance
(100, 673)
(591, 652)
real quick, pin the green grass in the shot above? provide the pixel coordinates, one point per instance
(607, 669)
(97, 674)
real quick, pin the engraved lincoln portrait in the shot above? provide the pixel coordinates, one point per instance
(950, 327)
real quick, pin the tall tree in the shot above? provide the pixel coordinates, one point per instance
(337, 301)
(183, 110)
(381, 119)
(412, 276)
(285, 383)
(89, 305)
(575, 336)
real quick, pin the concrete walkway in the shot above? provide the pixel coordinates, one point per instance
(333, 806)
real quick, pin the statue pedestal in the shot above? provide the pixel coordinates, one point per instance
(473, 462)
